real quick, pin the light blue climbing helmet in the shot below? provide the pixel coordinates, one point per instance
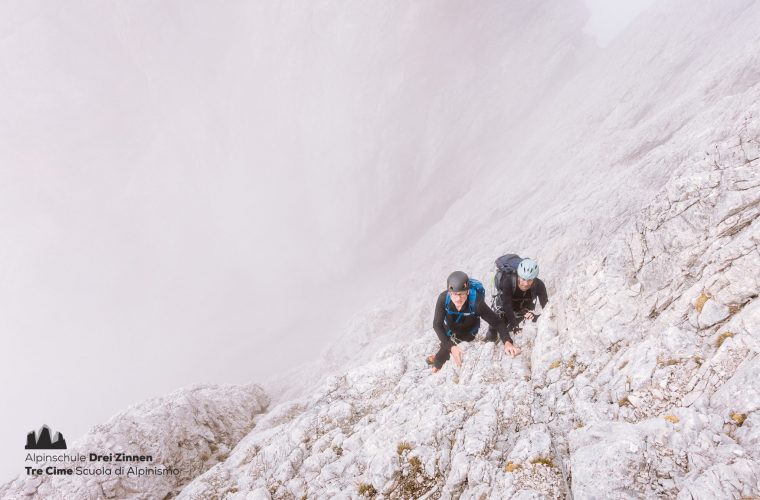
(527, 269)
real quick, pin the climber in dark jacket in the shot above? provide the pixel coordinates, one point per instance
(457, 319)
(517, 296)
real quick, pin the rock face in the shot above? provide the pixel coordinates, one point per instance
(189, 430)
(639, 380)
(623, 389)
(646, 358)
(392, 428)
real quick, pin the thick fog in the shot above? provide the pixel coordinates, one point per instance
(196, 193)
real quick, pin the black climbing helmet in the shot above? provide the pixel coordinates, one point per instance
(458, 282)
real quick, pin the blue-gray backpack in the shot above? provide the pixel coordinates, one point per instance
(506, 273)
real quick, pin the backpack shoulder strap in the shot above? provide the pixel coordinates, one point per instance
(497, 282)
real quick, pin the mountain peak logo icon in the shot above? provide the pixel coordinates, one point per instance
(42, 440)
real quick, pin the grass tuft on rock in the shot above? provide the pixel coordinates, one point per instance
(543, 461)
(367, 490)
(738, 418)
(402, 447)
(700, 303)
(722, 338)
(511, 467)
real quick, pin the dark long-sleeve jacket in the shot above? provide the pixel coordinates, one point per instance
(513, 299)
(443, 322)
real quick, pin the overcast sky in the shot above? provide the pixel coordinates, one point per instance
(187, 194)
